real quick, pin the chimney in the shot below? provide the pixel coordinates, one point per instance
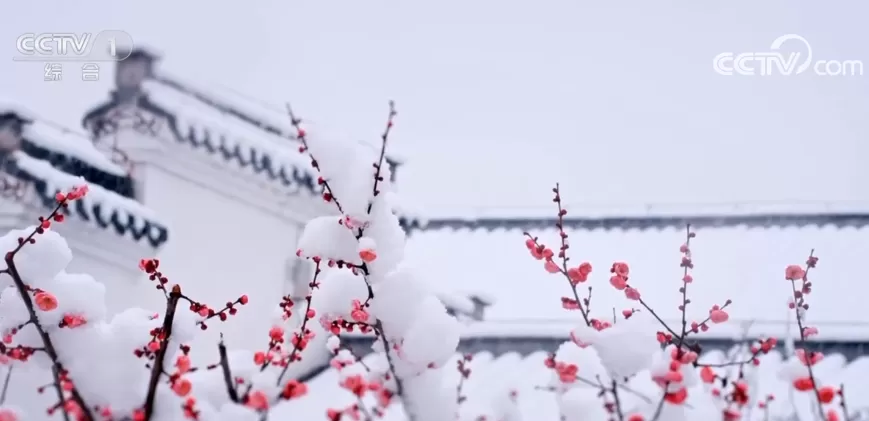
(393, 167)
(11, 127)
(132, 71)
(480, 304)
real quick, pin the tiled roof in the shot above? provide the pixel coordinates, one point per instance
(658, 216)
(740, 263)
(102, 207)
(495, 376)
(260, 140)
(52, 158)
(120, 183)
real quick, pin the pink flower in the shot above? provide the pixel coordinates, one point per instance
(183, 363)
(806, 359)
(73, 321)
(566, 372)
(579, 274)
(578, 341)
(569, 303)
(576, 276)
(794, 273)
(621, 269)
(358, 313)
(258, 400)
(182, 387)
(536, 253)
(718, 316)
(618, 282)
(45, 301)
(367, 255)
(276, 333)
(8, 415)
(632, 294)
(707, 375)
(77, 192)
(550, 266)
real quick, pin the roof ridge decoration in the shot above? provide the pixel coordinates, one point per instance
(50, 158)
(205, 122)
(856, 219)
(529, 345)
(277, 124)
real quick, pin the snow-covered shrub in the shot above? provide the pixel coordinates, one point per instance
(136, 365)
(605, 354)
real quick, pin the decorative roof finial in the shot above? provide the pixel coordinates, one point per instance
(133, 70)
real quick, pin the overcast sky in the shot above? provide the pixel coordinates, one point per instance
(617, 100)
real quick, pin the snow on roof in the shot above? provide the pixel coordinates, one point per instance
(745, 265)
(266, 117)
(12, 107)
(59, 139)
(495, 377)
(627, 209)
(456, 301)
(100, 206)
(234, 134)
(69, 143)
(734, 329)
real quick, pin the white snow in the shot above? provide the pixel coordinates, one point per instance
(67, 142)
(615, 209)
(274, 117)
(733, 329)
(57, 180)
(745, 265)
(493, 377)
(227, 129)
(60, 139)
(418, 341)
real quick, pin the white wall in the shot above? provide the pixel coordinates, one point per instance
(220, 248)
(113, 260)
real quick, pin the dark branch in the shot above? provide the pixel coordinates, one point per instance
(159, 362)
(227, 374)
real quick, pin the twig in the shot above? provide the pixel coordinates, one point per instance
(379, 165)
(300, 338)
(399, 386)
(464, 373)
(616, 402)
(562, 254)
(365, 412)
(658, 318)
(22, 288)
(621, 386)
(55, 374)
(687, 263)
(841, 401)
(356, 358)
(159, 361)
(330, 196)
(6, 385)
(227, 374)
(798, 302)
(661, 403)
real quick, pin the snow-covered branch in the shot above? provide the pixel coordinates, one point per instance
(136, 365)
